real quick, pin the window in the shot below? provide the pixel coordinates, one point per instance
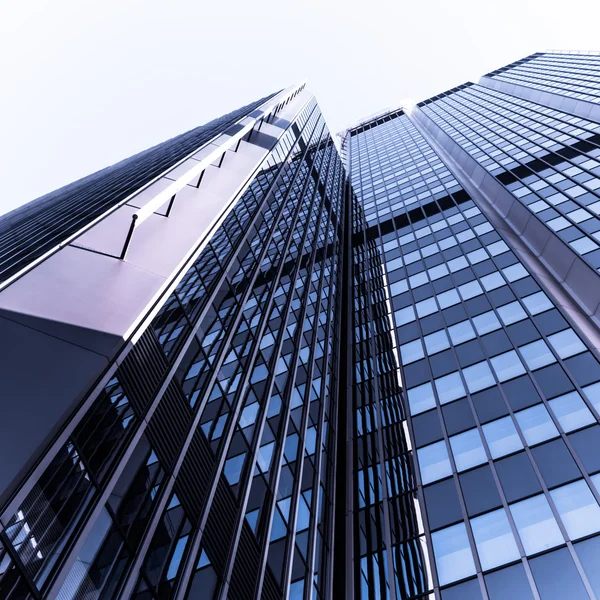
(461, 332)
(478, 377)
(492, 281)
(502, 437)
(467, 449)
(537, 303)
(578, 509)
(515, 272)
(566, 343)
(398, 287)
(556, 576)
(470, 290)
(452, 552)
(497, 248)
(536, 524)
(404, 315)
(571, 411)
(494, 539)
(486, 322)
(233, 468)
(511, 313)
(449, 387)
(509, 584)
(536, 424)
(434, 462)
(449, 298)
(436, 342)
(507, 365)
(411, 352)
(421, 398)
(426, 307)
(593, 394)
(537, 354)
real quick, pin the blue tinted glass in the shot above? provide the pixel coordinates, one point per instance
(478, 377)
(494, 539)
(467, 449)
(537, 354)
(536, 424)
(507, 365)
(578, 509)
(536, 524)
(571, 411)
(449, 387)
(453, 556)
(421, 398)
(434, 462)
(502, 437)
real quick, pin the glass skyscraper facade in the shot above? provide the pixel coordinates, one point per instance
(247, 363)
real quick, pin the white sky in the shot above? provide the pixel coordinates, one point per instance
(85, 84)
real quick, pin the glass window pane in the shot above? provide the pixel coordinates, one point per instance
(461, 332)
(502, 437)
(537, 354)
(453, 556)
(578, 509)
(470, 290)
(233, 468)
(478, 377)
(436, 342)
(411, 352)
(593, 394)
(486, 322)
(507, 365)
(467, 449)
(404, 315)
(494, 539)
(571, 411)
(449, 387)
(449, 298)
(566, 343)
(426, 307)
(421, 398)
(434, 462)
(537, 303)
(536, 424)
(536, 524)
(511, 313)
(514, 272)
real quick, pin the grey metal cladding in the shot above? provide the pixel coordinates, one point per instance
(29, 231)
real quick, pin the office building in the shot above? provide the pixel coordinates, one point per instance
(248, 364)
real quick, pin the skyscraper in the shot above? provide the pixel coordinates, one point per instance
(244, 364)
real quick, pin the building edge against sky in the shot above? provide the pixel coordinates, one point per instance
(262, 370)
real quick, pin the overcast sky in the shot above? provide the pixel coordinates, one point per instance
(85, 84)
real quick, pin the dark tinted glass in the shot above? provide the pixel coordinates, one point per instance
(509, 584)
(517, 477)
(587, 447)
(489, 404)
(555, 463)
(427, 428)
(479, 490)
(556, 577)
(521, 392)
(458, 416)
(469, 590)
(588, 552)
(442, 503)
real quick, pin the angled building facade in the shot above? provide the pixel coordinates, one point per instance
(246, 363)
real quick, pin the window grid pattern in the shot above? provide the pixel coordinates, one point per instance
(482, 349)
(256, 354)
(573, 75)
(549, 160)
